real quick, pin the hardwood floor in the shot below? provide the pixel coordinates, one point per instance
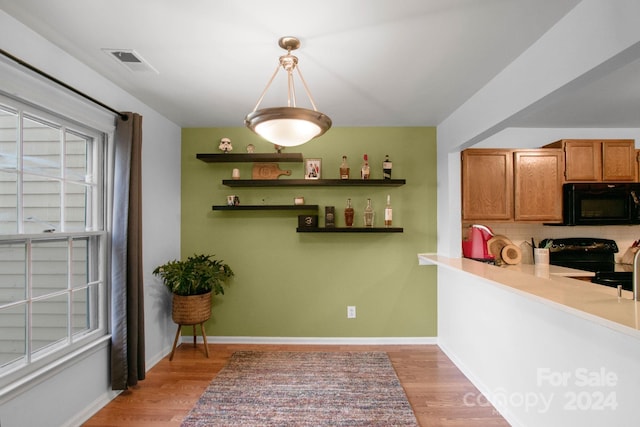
(436, 389)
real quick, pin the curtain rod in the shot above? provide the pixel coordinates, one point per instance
(63, 84)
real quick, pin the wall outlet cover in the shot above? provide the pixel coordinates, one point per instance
(351, 312)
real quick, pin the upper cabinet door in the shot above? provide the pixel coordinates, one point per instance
(583, 160)
(538, 178)
(597, 160)
(487, 185)
(618, 160)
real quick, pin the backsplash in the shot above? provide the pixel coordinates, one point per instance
(519, 233)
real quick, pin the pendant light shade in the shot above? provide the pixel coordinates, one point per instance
(288, 126)
(291, 125)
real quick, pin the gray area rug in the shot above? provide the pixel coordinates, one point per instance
(304, 389)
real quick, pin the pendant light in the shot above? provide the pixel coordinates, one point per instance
(291, 125)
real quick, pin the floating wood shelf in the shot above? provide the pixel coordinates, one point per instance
(249, 157)
(313, 182)
(350, 229)
(265, 208)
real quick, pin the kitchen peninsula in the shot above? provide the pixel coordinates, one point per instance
(544, 348)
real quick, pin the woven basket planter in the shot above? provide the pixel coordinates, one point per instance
(192, 309)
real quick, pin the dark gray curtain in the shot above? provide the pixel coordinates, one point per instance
(127, 286)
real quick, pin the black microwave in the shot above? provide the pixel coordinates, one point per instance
(601, 203)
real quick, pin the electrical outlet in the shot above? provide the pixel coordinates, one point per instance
(351, 312)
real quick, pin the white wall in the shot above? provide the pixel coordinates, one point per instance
(512, 347)
(83, 387)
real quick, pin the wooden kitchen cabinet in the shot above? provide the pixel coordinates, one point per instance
(619, 160)
(597, 160)
(538, 179)
(487, 185)
(508, 185)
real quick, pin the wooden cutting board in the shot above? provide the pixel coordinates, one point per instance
(511, 254)
(495, 245)
(268, 171)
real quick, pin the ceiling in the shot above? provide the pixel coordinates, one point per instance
(367, 62)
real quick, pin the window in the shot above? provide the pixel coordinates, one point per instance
(52, 237)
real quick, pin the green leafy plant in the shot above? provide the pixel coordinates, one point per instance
(197, 275)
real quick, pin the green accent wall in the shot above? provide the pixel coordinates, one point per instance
(291, 284)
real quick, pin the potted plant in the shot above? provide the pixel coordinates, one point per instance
(198, 276)
(192, 282)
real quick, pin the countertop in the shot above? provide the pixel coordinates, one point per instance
(555, 286)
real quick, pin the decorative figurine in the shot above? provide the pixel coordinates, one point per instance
(250, 148)
(225, 145)
(278, 148)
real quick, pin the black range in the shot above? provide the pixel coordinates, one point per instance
(590, 254)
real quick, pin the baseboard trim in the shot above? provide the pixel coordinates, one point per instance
(92, 409)
(156, 358)
(480, 385)
(316, 340)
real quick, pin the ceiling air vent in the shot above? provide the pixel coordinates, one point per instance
(130, 59)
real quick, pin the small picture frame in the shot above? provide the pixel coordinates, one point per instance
(312, 168)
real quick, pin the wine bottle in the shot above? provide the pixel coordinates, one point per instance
(368, 214)
(386, 167)
(388, 212)
(348, 214)
(364, 171)
(344, 168)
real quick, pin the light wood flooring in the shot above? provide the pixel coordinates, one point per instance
(435, 387)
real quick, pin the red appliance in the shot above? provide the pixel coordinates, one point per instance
(474, 244)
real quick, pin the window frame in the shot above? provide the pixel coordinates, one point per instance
(29, 368)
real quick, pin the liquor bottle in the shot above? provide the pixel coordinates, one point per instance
(368, 214)
(388, 212)
(329, 216)
(348, 214)
(386, 167)
(364, 172)
(344, 168)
